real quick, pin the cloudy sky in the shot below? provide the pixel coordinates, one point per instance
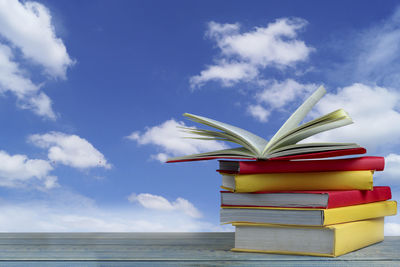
(92, 92)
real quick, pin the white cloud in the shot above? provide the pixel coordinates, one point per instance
(172, 140)
(278, 94)
(18, 170)
(45, 217)
(218, 31)
(70, 150)
(28, 26)
(392, 223)
(374, 111)
(50, 182)
(370, 55)
(258, 112)
(392, 229)
(392, 165)
(155, 202)
(13, 79)
(391, 174)
(377, 53)
(161, 157)
(243, 55)
(26, 29)
(41, 105)
(228, 73)
(65, 211)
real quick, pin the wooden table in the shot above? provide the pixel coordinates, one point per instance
(166, 249)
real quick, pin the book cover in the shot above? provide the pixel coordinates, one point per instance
(335, 180)
(329, 241)
(306, 199)
(284, 166)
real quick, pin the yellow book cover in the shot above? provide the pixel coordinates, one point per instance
(330, 241)
(307, 216)
(335, 180)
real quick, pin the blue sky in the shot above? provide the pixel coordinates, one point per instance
(91, 93)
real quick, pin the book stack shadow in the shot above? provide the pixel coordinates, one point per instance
(323, 207)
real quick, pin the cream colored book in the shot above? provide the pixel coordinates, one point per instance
(329, 241)
(283, 144)
(307, 216)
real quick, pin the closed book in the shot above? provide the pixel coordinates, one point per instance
(284, 166)
(307, 216)
(306, 199)
(336, 180)
(330, 241)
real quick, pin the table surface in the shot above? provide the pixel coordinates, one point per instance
(166, 249)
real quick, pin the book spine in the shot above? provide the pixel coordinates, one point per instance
(284, 166)
(354, 197)
(337, 180)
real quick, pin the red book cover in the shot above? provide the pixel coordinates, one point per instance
(355, 197)
(284, 166)
(336, 199)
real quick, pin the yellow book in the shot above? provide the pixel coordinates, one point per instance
(330, 241)
(307, 216)
(335, 180)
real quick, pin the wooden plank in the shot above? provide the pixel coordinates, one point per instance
(166, 249)
(192, 263)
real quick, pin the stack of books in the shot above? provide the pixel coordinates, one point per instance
(307, 207)
(287, 197)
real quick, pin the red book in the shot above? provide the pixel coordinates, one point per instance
(306, 199)
(281, 166)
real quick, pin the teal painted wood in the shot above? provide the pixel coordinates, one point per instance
(166, 249)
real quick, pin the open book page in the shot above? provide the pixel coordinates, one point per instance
(330, 121)
(216, 136)
(297, 116)
(332, 146)
(252, 141)
(307, 132)
(305, 150)
(244, 153)
(283, 144)
(239, 152)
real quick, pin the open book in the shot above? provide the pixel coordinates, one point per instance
(283, 145)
